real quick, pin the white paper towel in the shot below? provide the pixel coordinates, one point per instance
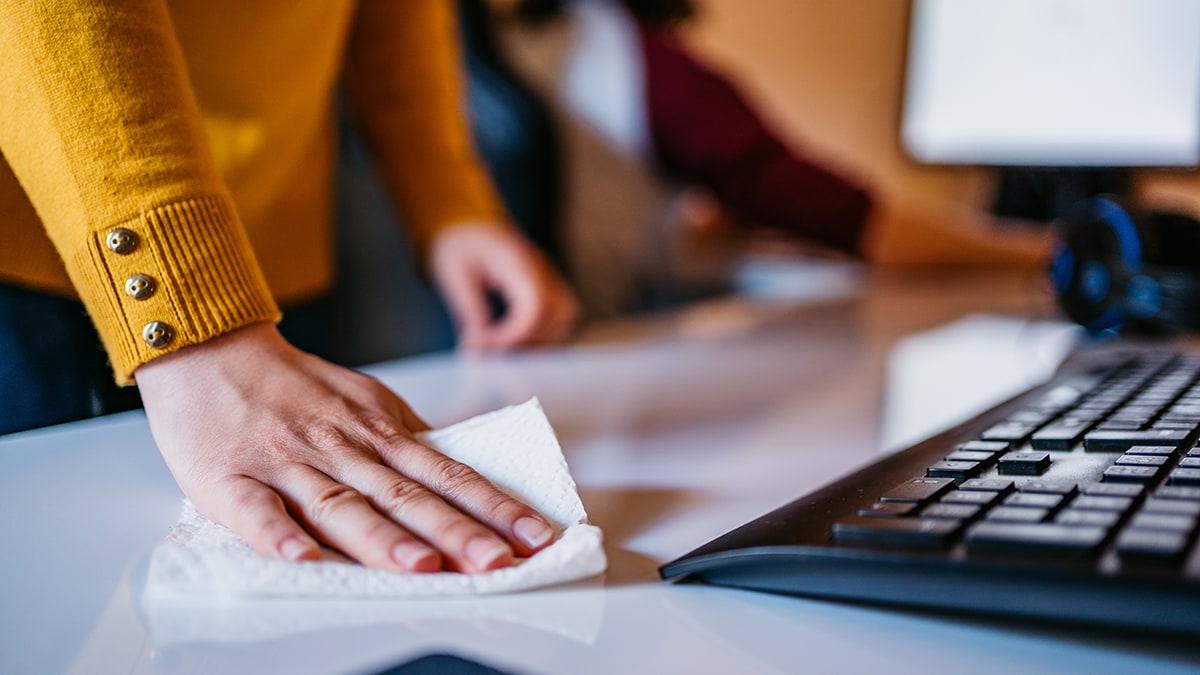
(514, 447)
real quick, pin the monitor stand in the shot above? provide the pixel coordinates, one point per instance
(1044, 194)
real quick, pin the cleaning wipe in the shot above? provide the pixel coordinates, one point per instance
(514, 447)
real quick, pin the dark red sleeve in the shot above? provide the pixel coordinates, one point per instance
(705, 132)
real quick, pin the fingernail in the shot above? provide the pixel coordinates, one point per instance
(532, 532)
(486, 553)
(416, 557)
(295, 547)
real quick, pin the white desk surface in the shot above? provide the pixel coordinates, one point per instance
(676, 429)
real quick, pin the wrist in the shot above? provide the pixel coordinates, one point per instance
(236, 344)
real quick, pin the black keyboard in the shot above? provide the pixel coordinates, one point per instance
(1075, 501)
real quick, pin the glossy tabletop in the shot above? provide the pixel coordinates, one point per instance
(677, 428)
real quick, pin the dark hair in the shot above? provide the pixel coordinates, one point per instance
(662, 13)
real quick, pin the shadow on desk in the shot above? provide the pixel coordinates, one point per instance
(626, 512)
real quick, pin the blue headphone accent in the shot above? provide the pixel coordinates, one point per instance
(1096, 280)
(1118, 267)
(1108, 212)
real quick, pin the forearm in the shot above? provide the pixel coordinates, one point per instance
(103, 131)
(404, 85)
(704, 131)
(907, 230)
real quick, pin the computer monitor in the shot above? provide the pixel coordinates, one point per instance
(1069, 93)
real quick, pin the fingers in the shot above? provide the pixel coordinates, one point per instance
(340, 516)
(467, 544)
(471, 260)
(470, 493)
(539, 313)
(557, 320)
(466, 295)
(436, 514)
(347, 521)
(256, 512)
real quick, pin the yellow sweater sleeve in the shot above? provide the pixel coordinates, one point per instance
(403, 83)
(102, 130)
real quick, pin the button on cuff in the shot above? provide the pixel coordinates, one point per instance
(158, 334)
(121, 241)
(140, 286)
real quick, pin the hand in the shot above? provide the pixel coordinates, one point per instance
(288, 450)
(469, 260)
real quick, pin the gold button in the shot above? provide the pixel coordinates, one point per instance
(121, 241)
(157, 334)
(140, 286)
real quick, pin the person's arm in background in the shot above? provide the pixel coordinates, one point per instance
(910, 230)
(705, 132)
(402, 82)
(102, 129)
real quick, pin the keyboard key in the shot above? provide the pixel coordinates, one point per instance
(952, 511)
(959, 470)
(1142, 460)
(918, 490)
(888, 509)
(1184, 477)
(1069, 391)
(1139, 543)
(1059, 436)
(1165, 450)
(1114, 490)
(1024, 463)
(1008, 431)
(972, 456)
(994, 447)
(1121, 425)
(1017, 514)
(1034, 538)
(1141, 410)
(1130, 474)
(1105, 519)
(919, 532)
(1041, 501)
(1189, 463)
(987, 484)
(1163, 521)
(977, 497)
(1169, 423)
(1029, 417)
(1100, 503)
(1120, 441)
(1181, 507)
(1178, 492)
(1048, 487)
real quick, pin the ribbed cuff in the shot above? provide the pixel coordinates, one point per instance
(201, 273)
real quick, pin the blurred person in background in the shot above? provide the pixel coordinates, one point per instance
(669, 172)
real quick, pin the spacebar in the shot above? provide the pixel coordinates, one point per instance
(1034, 538)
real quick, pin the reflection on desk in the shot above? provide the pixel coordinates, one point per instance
(677, 428)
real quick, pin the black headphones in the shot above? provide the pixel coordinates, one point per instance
(1118, 268)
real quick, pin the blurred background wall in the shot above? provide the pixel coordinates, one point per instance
(828, 74)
